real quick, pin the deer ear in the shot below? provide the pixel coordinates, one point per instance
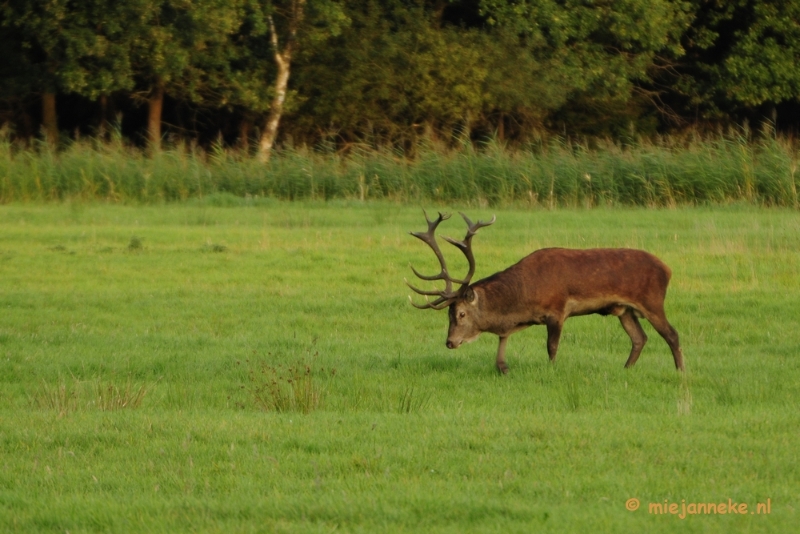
(469, 295)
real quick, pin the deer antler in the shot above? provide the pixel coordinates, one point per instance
(447, 296)
(465, 246)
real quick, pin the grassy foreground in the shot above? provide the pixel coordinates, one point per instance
(145, 353)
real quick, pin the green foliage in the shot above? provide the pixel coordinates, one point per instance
(70, 47)
(595, 48)
(187, 47)
(762, 63)
(740, 55)
(392, 73)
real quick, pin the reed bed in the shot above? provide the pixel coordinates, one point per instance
(661, 172)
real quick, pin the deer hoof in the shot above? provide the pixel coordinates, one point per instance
(502, 368)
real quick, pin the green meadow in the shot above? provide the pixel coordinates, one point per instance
(253, 365)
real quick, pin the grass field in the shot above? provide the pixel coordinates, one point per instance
(257, 368)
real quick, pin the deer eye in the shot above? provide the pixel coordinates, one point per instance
(462, 314)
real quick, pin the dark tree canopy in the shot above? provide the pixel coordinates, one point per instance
(395, 72)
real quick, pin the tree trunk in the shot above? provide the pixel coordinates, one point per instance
(102, 128)
(276, 109)
(244, 134)
(429, 132)
(465, 135)
(438, 13)
(28, 128)
(155, 104)
(501, 128)
(283, 60)
(49, 118)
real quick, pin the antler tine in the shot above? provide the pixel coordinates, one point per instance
(422, 291)
(465, 246)
(439, 276)
(433, 224)
(437, 304)
(473, 228)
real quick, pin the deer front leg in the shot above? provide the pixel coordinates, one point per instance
(501, 356)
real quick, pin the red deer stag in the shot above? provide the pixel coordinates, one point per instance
(548, 286)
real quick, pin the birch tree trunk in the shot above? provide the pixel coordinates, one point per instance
(283, 60)
(270, 131)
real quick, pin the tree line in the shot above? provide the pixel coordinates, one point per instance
(392, 72)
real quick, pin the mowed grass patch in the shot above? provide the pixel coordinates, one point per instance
(397, 433)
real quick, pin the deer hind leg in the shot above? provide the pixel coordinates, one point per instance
(553, 337)
(659, 321)
(501, 356)
(638, 338)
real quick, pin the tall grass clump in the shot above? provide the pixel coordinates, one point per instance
(662, 172)
(111, 397)
(293, 388)
(412, 401)
(65, 397)
(61, 398)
